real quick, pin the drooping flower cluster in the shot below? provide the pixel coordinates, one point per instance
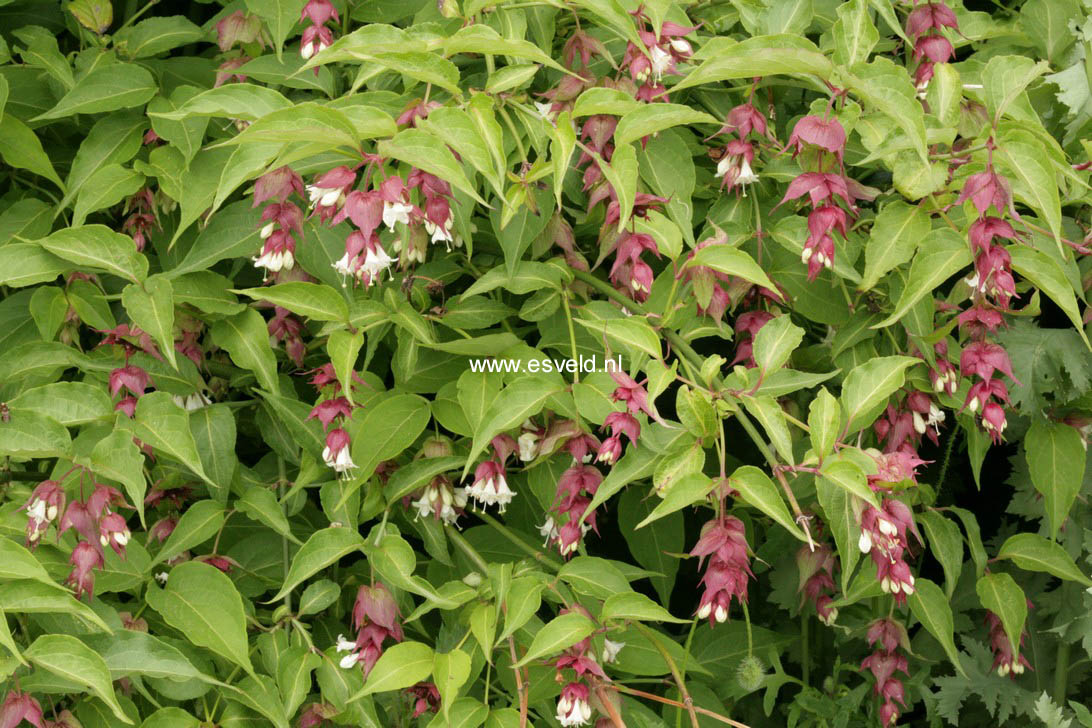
(94, 519)
(883, 537)
(285, 328)
(242, 29)
(19, 707)
(317, 36)
(826, 138)
(886, 636)
(923, 25)
(630, 273)
(817, 580)
(635, 397)
(724, 541)
(902, 426)
(490, 486)
(425, 697)
(573, 706)
(569, 517)
(734, 160)
(129, 377)
(281, 218)
(439, 499)
(662, 52)
(375, 618)
(141, 209)
(747, 327)
(1004, 661)
(332, 412)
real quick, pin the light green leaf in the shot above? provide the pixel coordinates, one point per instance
(450, 670)
(1034, 182)
(867, 387)
(558, 634)
(633, 334)
(313, 300)
(895, 235)
(28, 434)
(756, 489)
(69, 403)
(33, 597)
(824, 422)
(426, 152)
(107, 88)
(1000, 594)
(322, 549)
(117, 457)
(100, 248)
(400, 666)
(855, 34)
(245, 101)
(765, 55)
(72, 660)
(150, 306)
(185, 605)
(636, 607)
(775, 342)
(946, 545)
(21, 148)
(1006, 77)
(732, 261)
(245, 338)
(1045, 273)
(199, 523)
(650, 119)
(1033, 552)
(165, 426)
(153, 36)
(930, 606)
(845, 474)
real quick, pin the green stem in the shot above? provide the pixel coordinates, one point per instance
(1061, 673)
(805, 657)
(284, 541)
(750, 640)
(652, 637)
(572, 333)
(471, 553)
(518, 542)
(947, 457)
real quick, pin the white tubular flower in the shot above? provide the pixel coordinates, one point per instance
(746, 175)
(661, 62)
(528, 446)
(395, 212)
(611, 650)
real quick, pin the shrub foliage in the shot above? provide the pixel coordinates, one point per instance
(544, 362)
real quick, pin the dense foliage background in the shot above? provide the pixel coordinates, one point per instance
(254, 256)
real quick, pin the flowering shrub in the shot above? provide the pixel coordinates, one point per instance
(248, 256)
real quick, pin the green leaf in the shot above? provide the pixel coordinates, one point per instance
(1000, 594)
(1034, 553)
(31, 597)
(117, 457)
(322, 127)
(621, 173)
(426, 152)
(245, 101)
(322, 549)
(563, 136)
(942, 254)
(153, 36)
(946, 545)
(165, 426)
(1045, 273)
(280, 18)
(522, 601)
(895, 235)
(343, 349)
(107, 88)
(16, 562)
(516, 236)
(150, 306)
(650, 119)
(687, 490)
(732, 261)
(845, 474)
(756, 489)
(887, 88)
(930, 606)
(840, 514)
(1034, 182)
(602, 100)
(824, 422)
(633, 334)
(1006, 77)
(245, 338)
(480, 38)
(867, 387)
(667, 167)
(775, 342)
(458, 129)
(24, 264)
(213, 430)
(636, 607)
(425, 67)
(69, 403)
(1056, 457)
(518, 401)
(450, 670)
(29, 434)
(231, 233)
(556, 635)
(100, 248)
(199, 523)
(260, 694)
(855, 34)
(294, 670)
(765, 55)
(128, 652)
(417, 474)
(314, 300)
(108, 186)
(386, 430)
(71, 660)
(318, 596)
(769, 414)
(21, 148)
(191, 588)
(400, 666)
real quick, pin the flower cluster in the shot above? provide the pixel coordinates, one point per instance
(635, 397)
(1004, 661)
(280, 219)
(569, 517)
(573, 707)
(886, 636)
(883, 537)
(19, 707)
(816, 568)
(923, 25)
(375, 619)
(425, 697)
(332, 412)
(93, 518)
(724, 541)
(141, 209)
(630, 273)
(242, 29)
(490, 486)
(734, 160)
(129, 377)
(747, 327)
(661, 52)
(902, 427)
(826, 138)
(317, 36)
